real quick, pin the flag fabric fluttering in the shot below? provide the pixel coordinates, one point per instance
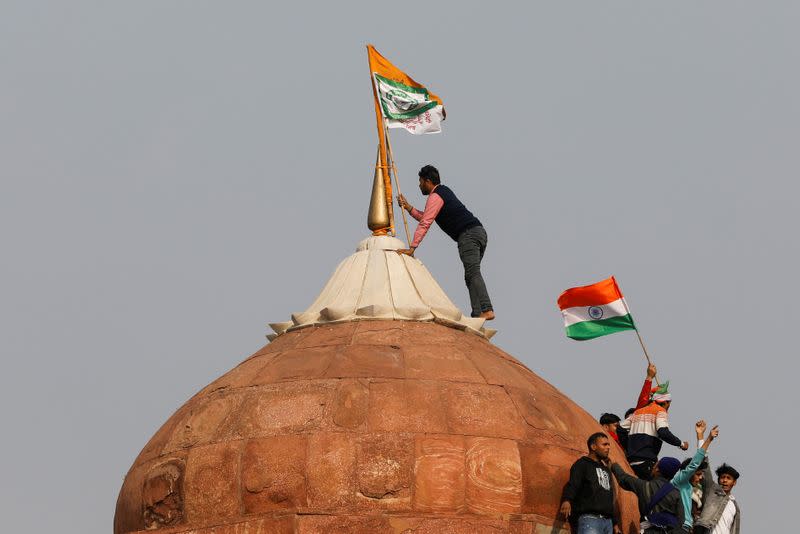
(661, 389)
(595, 310)
(404, 103)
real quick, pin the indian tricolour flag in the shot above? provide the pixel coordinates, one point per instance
(404, 103)
(595, 310)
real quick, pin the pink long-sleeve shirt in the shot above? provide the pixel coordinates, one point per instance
(432, 208)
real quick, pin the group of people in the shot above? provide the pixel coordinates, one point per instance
(674, 496)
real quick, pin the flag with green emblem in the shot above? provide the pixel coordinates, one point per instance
(404, 102)
(409, 107)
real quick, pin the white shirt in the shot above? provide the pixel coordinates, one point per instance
(725, 522)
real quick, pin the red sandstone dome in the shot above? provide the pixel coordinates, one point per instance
(365, 426)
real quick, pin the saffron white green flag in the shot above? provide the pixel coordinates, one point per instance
(405, 106)
(595, 310)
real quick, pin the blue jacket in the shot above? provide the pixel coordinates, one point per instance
(682, 481)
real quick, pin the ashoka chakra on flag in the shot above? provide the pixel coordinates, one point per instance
(408, 107)
(595, 310)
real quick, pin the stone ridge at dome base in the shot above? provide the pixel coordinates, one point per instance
(375, 524)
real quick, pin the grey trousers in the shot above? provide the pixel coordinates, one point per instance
(471, 246)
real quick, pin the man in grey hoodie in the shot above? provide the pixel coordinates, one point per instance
(659, 502)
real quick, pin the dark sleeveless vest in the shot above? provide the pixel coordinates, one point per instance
(454, 217)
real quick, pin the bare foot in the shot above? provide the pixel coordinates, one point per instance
(488, 315)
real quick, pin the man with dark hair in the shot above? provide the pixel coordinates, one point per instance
(659, 502)
(609, 422)
(461, 225)
(721, 513)
(588, 495)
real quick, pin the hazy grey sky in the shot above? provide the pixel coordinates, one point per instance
(174, 175)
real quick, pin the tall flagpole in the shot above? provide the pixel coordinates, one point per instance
(396, 181)
(638, 335)
(384, 168)
(647, 356)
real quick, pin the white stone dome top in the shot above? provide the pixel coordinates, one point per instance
(378, 283)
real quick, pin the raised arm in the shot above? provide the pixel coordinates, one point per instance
(712, 435)
(708, 476)
(686, 473)
(644, 395)
(700, 430)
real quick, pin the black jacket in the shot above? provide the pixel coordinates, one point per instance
(589, 489)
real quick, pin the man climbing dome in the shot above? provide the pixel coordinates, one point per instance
(647, 428)
(461, 225)
(619, 433)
